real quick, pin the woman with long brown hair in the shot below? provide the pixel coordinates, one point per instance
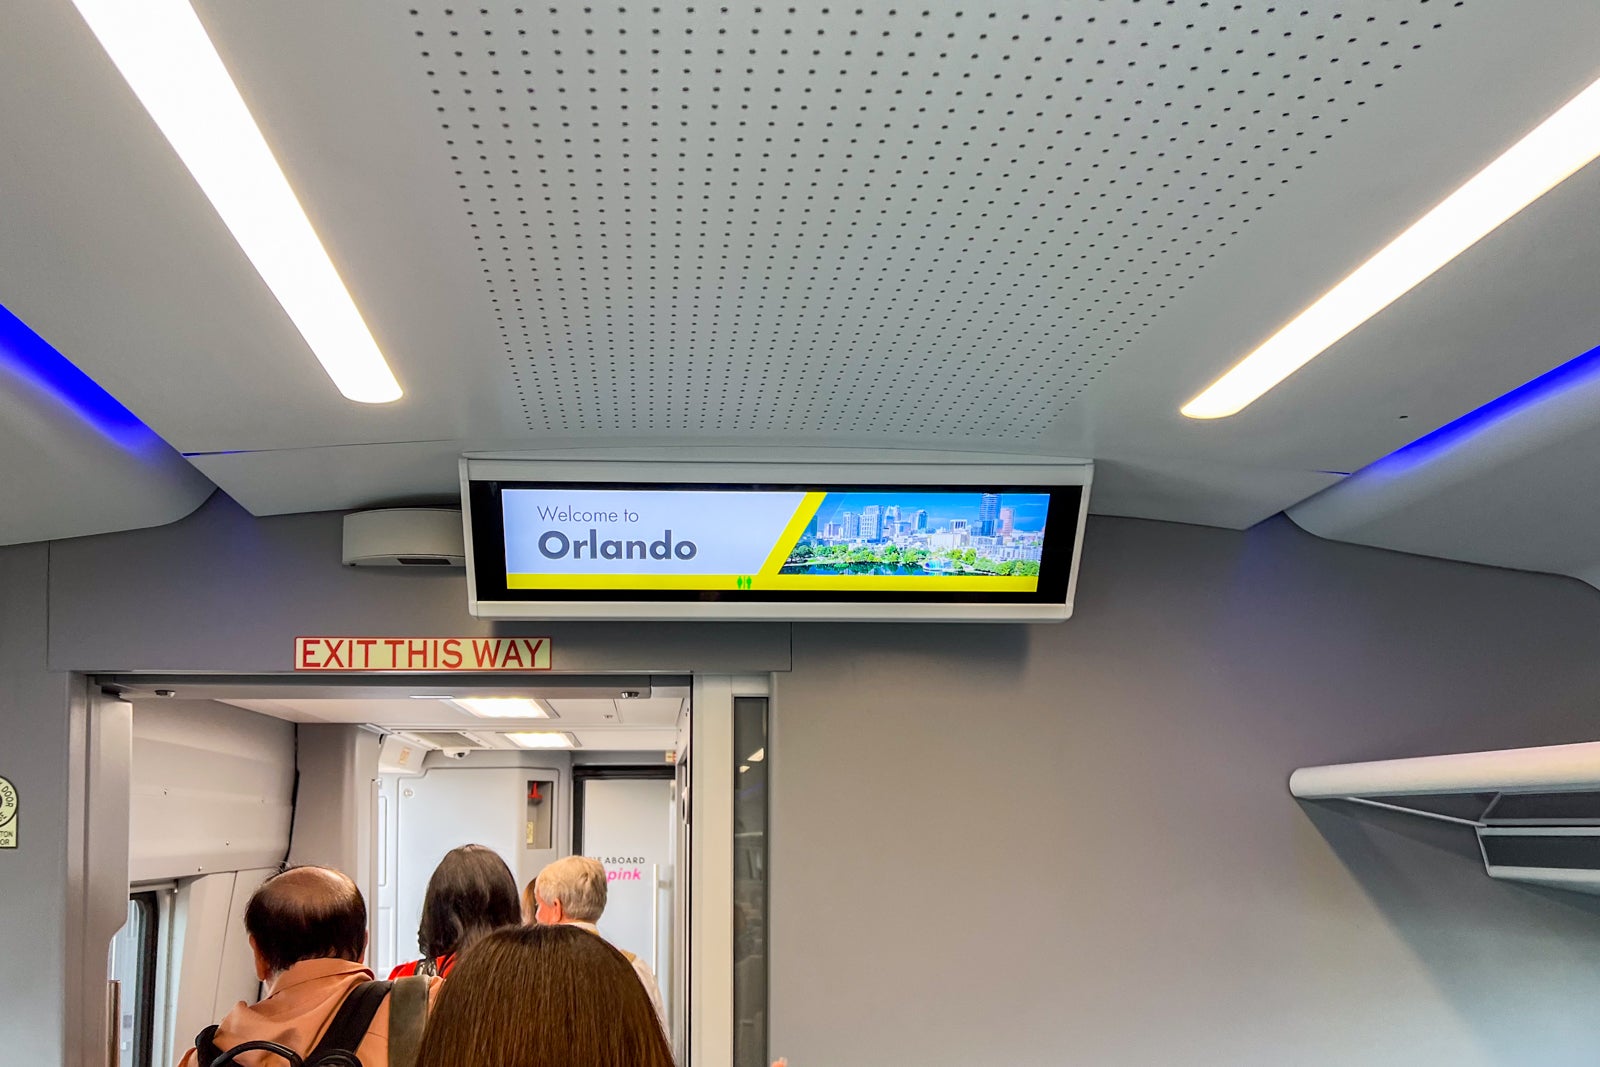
(543, 996)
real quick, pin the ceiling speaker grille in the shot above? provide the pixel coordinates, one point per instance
(869, 221)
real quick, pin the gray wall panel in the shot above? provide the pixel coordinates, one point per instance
(1039, 845)
(36, 752)
(1074, 843)
(222, 591)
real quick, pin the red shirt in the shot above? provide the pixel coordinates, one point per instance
(406, 970)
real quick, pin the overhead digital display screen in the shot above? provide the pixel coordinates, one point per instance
(841, 544)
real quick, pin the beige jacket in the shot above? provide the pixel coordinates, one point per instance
(299, 1006)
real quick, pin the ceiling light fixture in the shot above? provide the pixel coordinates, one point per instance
(173, 68)
(1557, 148)
(501, 707)
(542, 739)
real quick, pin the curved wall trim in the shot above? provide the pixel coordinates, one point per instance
(73, 460)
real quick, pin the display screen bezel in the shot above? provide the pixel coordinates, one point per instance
(491, 580)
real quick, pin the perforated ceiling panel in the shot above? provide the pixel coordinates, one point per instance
(862, 220)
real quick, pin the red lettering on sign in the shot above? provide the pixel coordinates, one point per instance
(422, 653)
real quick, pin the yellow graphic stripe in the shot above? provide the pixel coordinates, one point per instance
(791, 533)
(975, 583)
(623, 581)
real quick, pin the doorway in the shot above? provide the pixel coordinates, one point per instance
(349, 746)
(626, 817)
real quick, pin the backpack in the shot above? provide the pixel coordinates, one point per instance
(337, 1048)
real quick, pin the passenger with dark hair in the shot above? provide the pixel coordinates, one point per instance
(471, 893)
(543, 996)
(308, 931)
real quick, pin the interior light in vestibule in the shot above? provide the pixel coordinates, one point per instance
(542, 739)
(501, 707)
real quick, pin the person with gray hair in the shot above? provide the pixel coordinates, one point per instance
(572, 892)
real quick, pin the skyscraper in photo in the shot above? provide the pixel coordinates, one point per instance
(919, 521)
(852, 525)
(1008, 521)
(988, 514)
(872, 522)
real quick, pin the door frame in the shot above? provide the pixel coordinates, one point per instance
(712, 773)
(605, 772)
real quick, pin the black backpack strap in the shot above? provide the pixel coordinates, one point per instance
(232, 1055)
(205, 1047)
(349, 1027)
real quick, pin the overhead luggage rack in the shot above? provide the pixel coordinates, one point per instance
(1535, 811)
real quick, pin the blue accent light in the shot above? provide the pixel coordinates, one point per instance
(1579, 371)
(26, 356)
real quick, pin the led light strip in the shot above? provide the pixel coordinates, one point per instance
(1556, 149)
(173, 68)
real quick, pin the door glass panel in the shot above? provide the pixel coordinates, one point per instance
(133, 964)
(750, 882)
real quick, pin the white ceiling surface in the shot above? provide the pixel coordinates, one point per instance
(644, 724)
(1017, 227)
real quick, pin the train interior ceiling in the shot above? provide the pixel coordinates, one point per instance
(232, 778)
(652, 238)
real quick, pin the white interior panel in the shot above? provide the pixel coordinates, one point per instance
(1522, 491)
(212, 789)
(121, 475)
(203, 911)
(451, 806)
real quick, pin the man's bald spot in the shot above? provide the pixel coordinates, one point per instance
(313, 887)
(307, 913)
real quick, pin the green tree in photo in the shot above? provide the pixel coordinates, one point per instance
(970, 556)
